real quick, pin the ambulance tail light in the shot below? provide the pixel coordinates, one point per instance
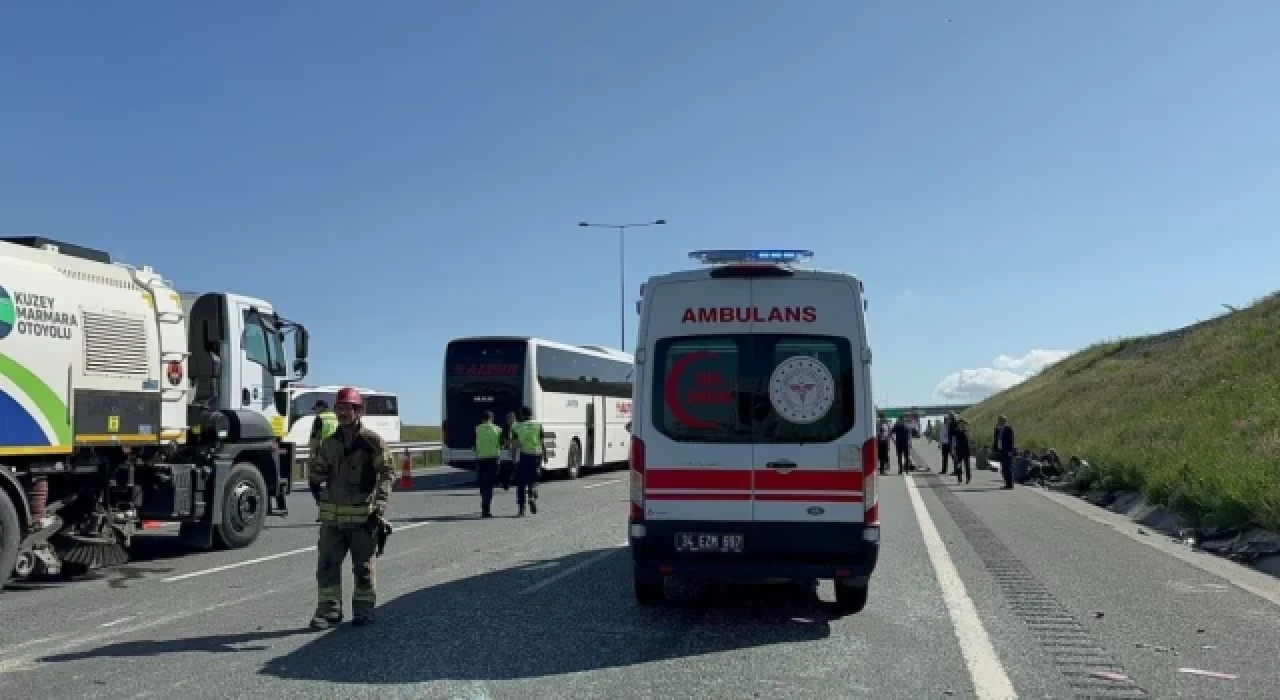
(637, 480)
(870, 499)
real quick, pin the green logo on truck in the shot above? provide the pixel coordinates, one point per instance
(6, 313)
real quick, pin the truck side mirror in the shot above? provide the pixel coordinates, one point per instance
(299, 370)
(301, 345)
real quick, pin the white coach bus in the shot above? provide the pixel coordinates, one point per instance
(381, 411)
(581, 394)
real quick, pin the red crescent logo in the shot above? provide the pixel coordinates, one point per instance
(672, 388)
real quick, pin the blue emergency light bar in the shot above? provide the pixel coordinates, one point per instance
(721, 257)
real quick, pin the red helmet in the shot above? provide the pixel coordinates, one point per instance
(350, 396)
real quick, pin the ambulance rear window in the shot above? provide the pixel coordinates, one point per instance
(761, 388)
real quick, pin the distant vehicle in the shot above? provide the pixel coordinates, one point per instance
(581, 394)
(753, 454)
(381, 411)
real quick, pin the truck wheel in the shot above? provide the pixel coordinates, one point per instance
(649, 590)
(575, 460)
(851, 598)
(10, 537)
(244, 507)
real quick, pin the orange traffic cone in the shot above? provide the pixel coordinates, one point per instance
(406, 472)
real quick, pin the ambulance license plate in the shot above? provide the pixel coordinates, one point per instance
(705, 542)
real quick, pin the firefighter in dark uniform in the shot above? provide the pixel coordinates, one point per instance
(352, 474)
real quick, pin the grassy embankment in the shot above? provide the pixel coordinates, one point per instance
(1190, 417)
(422, 433)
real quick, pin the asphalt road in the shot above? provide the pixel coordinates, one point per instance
(541, 608)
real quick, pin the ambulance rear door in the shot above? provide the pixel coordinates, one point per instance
(805, 361)
(698, 451)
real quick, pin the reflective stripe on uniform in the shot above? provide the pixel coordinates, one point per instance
(334, 513)
(328, 596)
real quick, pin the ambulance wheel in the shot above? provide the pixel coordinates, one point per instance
(649, 589)
(244, 507)
(575, 460)
(851, 597)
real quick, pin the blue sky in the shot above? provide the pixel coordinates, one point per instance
(1005, 176)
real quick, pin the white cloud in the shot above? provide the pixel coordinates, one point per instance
(972, 385)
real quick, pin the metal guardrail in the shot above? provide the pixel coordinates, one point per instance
(398, 448)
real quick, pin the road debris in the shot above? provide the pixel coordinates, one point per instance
(1209, 674)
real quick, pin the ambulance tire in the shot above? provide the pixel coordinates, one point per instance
(851, 598)
(649, 590)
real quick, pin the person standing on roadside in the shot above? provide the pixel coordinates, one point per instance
(488, 450)
(960, 452)
(533, 454)
(352, 476)
(507, 463)
(883, 433)
(902, 438)
(1003, 445)
(323, 424)
(944, 443)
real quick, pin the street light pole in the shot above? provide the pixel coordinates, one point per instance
(622, 269)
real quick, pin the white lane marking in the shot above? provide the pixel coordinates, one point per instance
(569, 571)
(1251, 580)
(113, 623)
(601, 483)
(278, 555)
(989, 678)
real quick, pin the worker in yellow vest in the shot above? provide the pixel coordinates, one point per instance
(533, 455)
(324, 423)
(488, 450)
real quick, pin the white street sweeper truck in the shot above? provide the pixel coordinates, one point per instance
(123, 400)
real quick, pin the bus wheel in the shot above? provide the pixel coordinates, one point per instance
(575, 460)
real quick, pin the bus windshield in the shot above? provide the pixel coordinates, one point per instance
(481, 375)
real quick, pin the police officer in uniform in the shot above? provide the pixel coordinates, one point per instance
(323, 424)
(351, 474)
(488, 449)
(528, 437)
(506, 463)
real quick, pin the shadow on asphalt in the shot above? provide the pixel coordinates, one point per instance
(216, 644)
(493, 627)
(488, 627)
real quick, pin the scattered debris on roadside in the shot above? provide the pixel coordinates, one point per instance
(1209, 674)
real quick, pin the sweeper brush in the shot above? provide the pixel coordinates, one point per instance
(91, 552)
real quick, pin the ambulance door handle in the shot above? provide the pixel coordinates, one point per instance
(781, 464)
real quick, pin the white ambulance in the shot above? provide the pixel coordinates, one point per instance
(753, 447)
